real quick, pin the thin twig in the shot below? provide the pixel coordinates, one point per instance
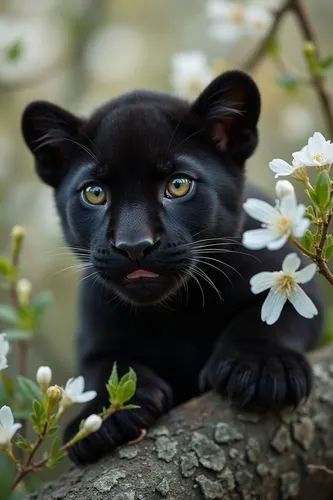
(318, 81)
(261, 51)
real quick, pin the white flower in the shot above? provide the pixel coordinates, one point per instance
(284, 286)
(4, 349)
(281, 167)
(7, 426)
(43, 41)
(234, 20)
(92, 424)
(73, 392)
(190, 73)
(278, 223)
(283, 188)
(44, 377)
(317, 153)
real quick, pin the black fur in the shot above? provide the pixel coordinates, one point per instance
(186, 331)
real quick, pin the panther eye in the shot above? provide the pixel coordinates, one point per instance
(178, 186)
(94, 195)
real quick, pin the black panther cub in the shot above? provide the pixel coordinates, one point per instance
(149, 191)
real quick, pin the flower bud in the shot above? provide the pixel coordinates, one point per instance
(284, 188)
(92, 424)
(43, 377)
(23, 290)
(54, 395)
(18, 234)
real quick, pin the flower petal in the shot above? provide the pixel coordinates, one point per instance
(85, 396)
(280, 167)
(300, 228)
(278, 243)
(288, 206)
(3, 362)
(255, 239)
(316, 144)
(302, 303)
(262, 281)
(272, 306)
(329, 153)
(6, 417)
(75, 385)
(291, 262)
(306, 274)
(260, 210)
(14, 428)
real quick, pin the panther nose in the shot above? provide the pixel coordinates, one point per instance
(136, 250)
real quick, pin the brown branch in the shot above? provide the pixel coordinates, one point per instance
(205, 449)
(261, 51)
(318, 81)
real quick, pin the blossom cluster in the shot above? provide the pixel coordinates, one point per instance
(228, 22)
(72, 393)
(233, 20)
(284, 221)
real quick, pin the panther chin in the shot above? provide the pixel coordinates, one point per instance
(143, 287)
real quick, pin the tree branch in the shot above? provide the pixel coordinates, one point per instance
(261, 51)
(206, 450)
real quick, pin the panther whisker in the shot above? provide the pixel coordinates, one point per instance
(223, 263)
(214, 267)
(205, 276)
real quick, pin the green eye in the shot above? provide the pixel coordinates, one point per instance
(94, 195)
(178, 187)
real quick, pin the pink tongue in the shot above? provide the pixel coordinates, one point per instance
(142, 273)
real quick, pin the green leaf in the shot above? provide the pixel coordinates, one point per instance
(130, 407)
(130, 375)
(6, 268)
(29, 388)
(15, 335)
(308, 241)
(14, 51)
(23, 443)
(9, 314)
(322, 189)
(41, 302)
(328, 247)
(113, 393)
(114, 379)
(310, 213)
(311, 193)
(326, 63)
(288, 82)
(56, 453)
(38, 410)
(126, 391)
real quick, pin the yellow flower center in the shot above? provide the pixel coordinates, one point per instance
(238, 15)
(286, 283)
(283, 224)
(319, 157)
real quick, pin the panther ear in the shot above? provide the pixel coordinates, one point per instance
(50, 133)
(230, 107)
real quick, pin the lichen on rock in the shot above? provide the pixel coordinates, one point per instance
(209, 453)
(210, 489)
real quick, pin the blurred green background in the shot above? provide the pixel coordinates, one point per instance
(79, 53)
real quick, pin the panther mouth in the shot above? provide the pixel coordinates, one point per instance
(142, 273)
